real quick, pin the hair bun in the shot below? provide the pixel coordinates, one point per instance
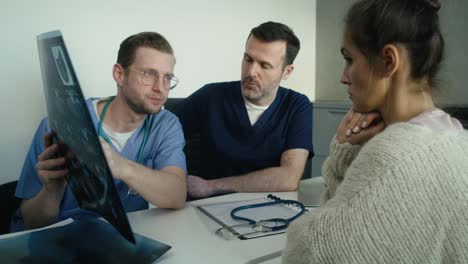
(434, 4)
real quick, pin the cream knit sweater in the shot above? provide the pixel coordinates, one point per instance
(401, 198)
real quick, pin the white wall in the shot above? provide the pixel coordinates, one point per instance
(208, 37)
(453, 77)
(330, 63)
(454, 24)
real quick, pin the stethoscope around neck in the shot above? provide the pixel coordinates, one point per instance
(107, 139)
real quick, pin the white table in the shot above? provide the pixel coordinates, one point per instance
(191, 234)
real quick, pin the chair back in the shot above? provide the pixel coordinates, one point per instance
(8, 205)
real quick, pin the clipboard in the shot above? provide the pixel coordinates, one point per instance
(221, 214)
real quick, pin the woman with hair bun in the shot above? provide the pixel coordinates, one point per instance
(396, 187)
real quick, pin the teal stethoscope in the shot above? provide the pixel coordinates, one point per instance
(107, 139)
(261, 226)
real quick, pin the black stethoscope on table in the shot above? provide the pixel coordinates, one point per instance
(261, 226)
(107, 139)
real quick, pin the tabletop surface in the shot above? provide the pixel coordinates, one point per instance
(191, 233)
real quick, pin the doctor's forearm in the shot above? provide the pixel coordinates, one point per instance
(165, 188)
(41, 210)
(275, 179)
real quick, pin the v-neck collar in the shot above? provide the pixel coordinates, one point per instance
(127, 148)
(244, 116)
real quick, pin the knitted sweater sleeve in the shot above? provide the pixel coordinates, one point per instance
(399, 200)
(335, 166)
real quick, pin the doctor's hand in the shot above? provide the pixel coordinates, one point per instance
(116, 162)
(51, 167)
(358, 128)
(198, 187)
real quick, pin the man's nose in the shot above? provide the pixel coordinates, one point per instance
(159, 84)
(253, 70)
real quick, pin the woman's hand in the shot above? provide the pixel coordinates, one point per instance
(357, 128)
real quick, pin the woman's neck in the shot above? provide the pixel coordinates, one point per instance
(405, 101)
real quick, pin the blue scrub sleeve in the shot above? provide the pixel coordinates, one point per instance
(171, 150)
(29, 183)
(300, 128)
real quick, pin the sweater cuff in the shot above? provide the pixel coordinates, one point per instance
(336, 165)
(342, 155)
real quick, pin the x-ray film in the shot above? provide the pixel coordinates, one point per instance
(84, 241)
(90, 178)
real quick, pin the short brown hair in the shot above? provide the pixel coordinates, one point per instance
(154, 40)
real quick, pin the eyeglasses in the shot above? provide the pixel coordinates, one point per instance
(149, 77)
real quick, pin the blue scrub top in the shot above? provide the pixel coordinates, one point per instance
(164, 147)
(229, 144)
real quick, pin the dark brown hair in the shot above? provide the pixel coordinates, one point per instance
(273, 31)
(372, 24)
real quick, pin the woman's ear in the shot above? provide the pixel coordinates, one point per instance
(391, 59)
